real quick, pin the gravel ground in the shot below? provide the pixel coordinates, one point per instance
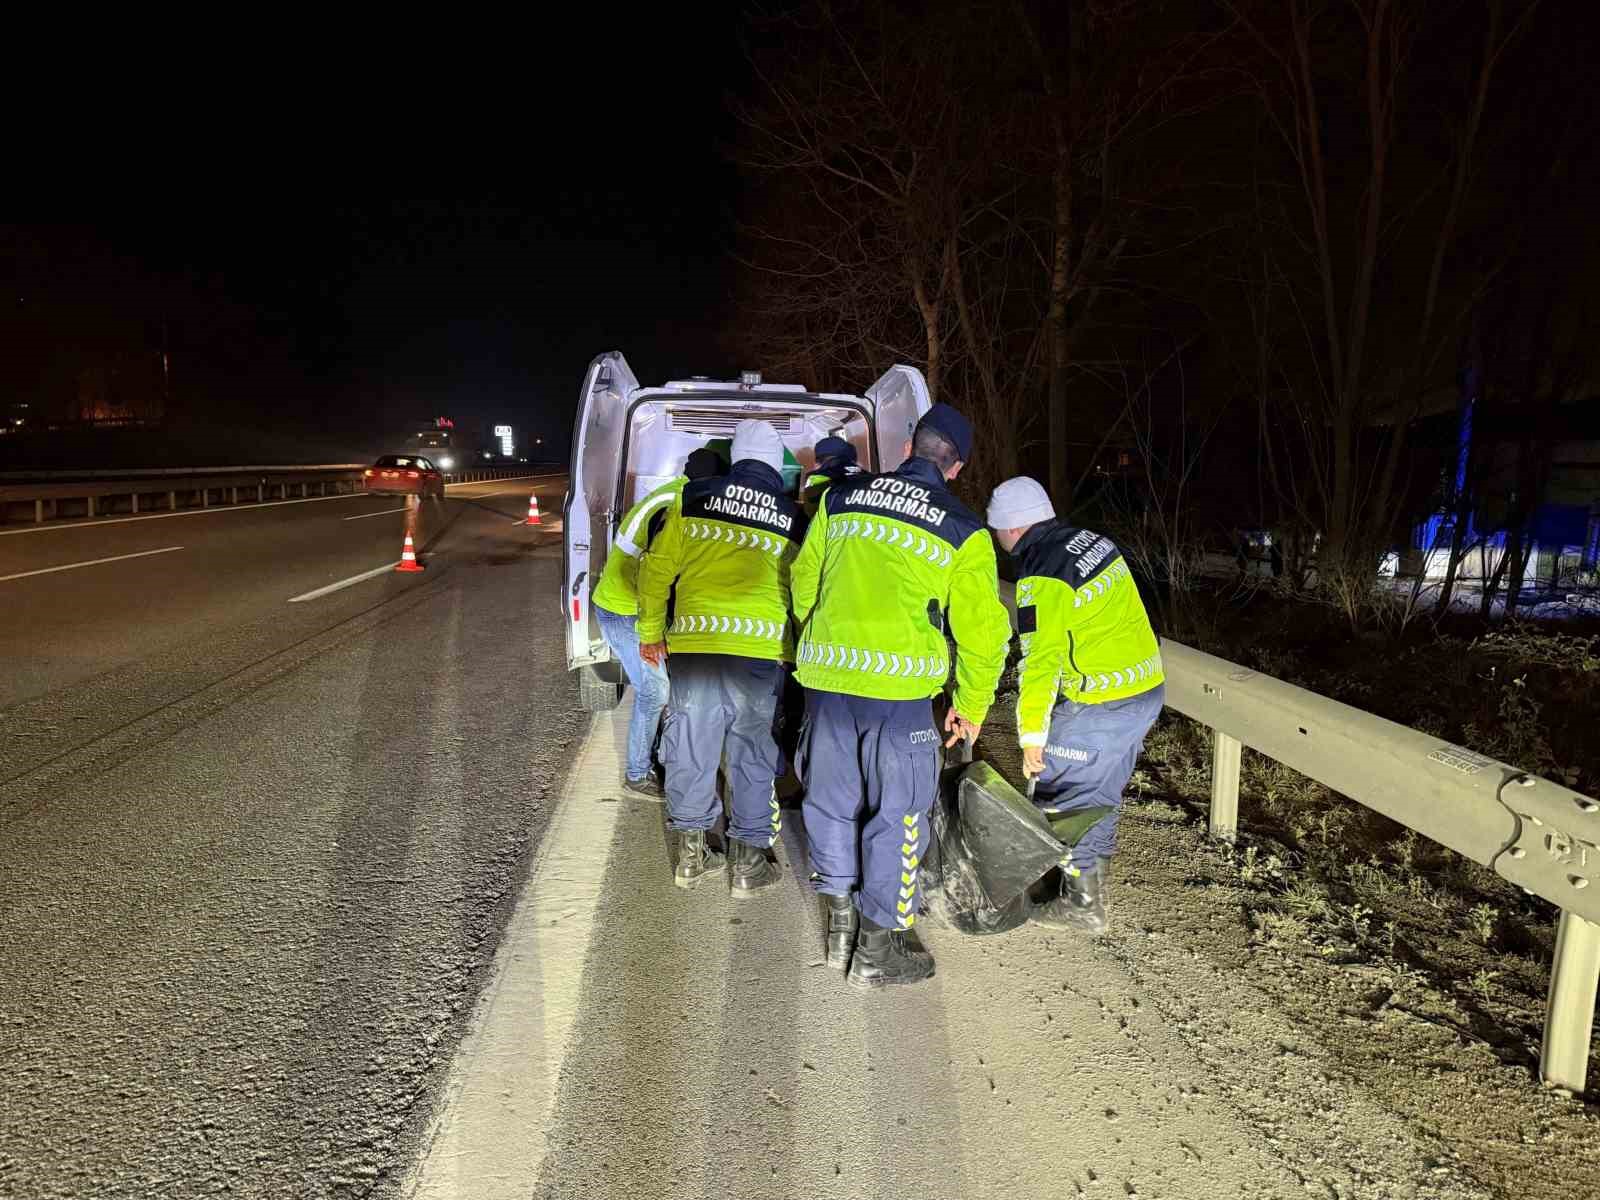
(1294, 1025)
(1179, 1056)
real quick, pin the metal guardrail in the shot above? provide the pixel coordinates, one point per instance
(158, 472)
(93, 494)
(1539, 835)
(89, 498)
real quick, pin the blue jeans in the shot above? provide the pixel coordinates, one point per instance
(649, 687)
(722, 706)
(1090, 756)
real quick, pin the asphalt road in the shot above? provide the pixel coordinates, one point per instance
(254, 854)
(339, 896)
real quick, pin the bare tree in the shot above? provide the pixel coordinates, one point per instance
(1370, 378)
(1110, 73)
(852, 141)
(933, 193)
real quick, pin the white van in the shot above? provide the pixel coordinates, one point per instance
(629, 439)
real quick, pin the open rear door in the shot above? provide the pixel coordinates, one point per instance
(899, 399)
(589, 513)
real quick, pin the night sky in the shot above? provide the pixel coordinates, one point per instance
(378, 232)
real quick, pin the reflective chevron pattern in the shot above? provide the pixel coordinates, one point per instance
(1149, 668)
(1098, 586)
(887, 534)
(910, 857)
(735, 536)
(697, 623)
(877, 662)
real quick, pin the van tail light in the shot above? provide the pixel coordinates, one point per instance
(576, 617)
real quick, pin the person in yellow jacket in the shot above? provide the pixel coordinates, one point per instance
(890, 562)
(616, 609)
(1089, 687)
(833, 459)
(723, 555)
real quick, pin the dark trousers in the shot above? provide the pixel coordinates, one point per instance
(871, 773)
(722, 703)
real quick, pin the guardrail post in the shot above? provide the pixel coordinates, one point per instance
(38, 512)
(1225, 756)
(172, 501)
(1569, 1016)
(91, 506)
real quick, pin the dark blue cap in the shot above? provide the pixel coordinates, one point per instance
(704, 463)
(831, 448)
(952, 426)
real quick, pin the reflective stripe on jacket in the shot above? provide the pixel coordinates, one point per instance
(886, 558)
(821, 479)
(1085, 634)
(618, 589)
(724, 555)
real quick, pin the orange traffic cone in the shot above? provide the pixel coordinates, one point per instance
(533, 511)
(408, 558)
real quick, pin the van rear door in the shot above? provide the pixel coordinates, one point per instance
(899, 399)
(591, 498)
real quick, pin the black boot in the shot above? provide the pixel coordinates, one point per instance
(752, 871)
(882, 957)
(695, 858)
(1082, 903)
(843, 921)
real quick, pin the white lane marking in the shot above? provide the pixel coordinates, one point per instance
(344, 583)
(93, 562)
(380, 513)
(248, 506)
(488, 1140)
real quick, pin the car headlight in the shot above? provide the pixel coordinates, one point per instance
(447, 464)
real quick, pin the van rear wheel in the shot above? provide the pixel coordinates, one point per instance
(596, 692)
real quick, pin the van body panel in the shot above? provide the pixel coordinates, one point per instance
(899, 398)
(590, 513)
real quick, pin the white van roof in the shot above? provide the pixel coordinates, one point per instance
(726, 385)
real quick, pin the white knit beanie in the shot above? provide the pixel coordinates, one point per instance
(1018, 503)
(760, 441)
